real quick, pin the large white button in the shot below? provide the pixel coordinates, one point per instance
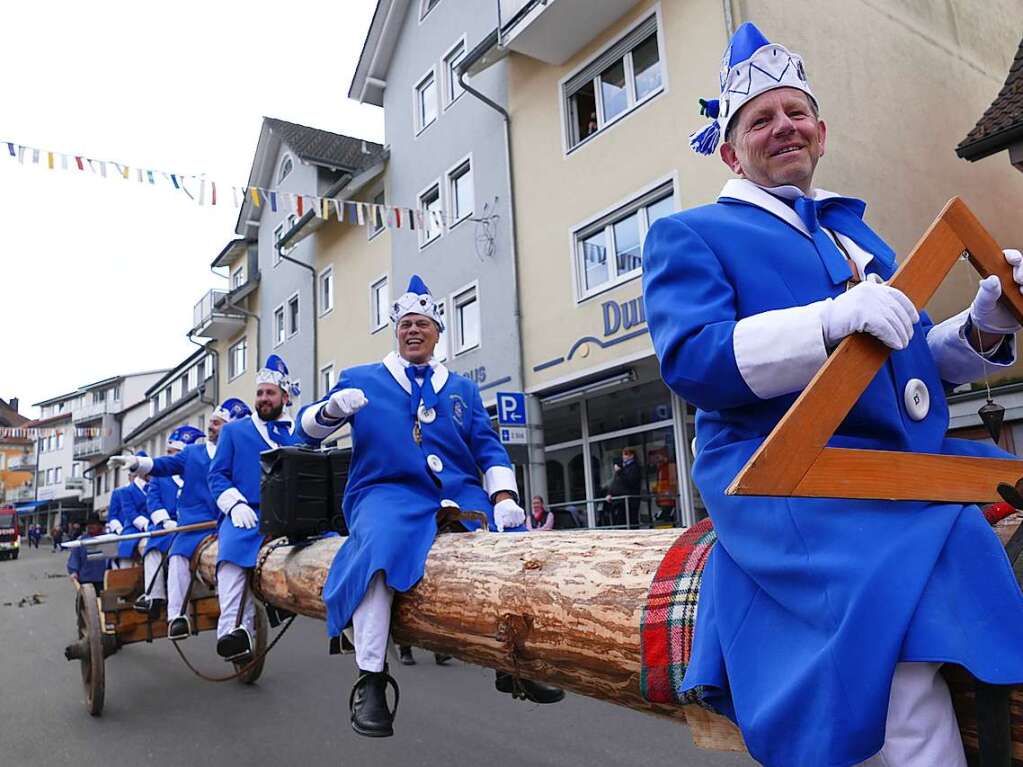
(427, 414)
(435, 463)
(447, 503)
(917, 399)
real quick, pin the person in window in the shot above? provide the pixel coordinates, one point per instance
(422, 441)
(539, 518)
(822, 622)
(624, 491)
(591, 125)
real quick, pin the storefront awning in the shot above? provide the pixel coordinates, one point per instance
(27, 507)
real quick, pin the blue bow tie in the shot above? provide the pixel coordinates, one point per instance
(278, 430)
(836, 213)
(425, 391)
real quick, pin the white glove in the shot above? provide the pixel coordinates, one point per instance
(507, 513)
(128, 462)
(987, 313)
(345, 403)
(1015, 259)
(870, 307)
(115, 526)
(141, 523)
(244, 517)
(169, 524)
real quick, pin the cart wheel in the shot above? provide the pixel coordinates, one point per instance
(90, 633)
(262, 631)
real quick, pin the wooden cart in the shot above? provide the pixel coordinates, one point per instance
(108, 621)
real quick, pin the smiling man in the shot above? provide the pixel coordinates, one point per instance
(822, 623)
(421, 441)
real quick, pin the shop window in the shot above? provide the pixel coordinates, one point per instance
(562, 423)
(628, 74)
(628, 408)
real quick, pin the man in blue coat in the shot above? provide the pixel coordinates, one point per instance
(234, 483)
(822, 623)
(195, 505)
(127, 514)
(421, 439)
(83, 568)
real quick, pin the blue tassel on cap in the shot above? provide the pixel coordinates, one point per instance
(705, 140)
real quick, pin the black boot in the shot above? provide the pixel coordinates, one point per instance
(236, 646)
(441, 660)
(142, 604)
(527, 689)
(368, 703)
(178, 629)
(405, 654)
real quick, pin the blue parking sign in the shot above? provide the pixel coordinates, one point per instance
(511, 408)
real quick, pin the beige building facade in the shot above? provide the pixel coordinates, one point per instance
(599, 133)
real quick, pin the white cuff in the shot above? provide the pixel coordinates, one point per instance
(778, 352)
(312, 426)
(498, 479)
(145, 465)
(957, 361)
(229, 498)
(158, 516)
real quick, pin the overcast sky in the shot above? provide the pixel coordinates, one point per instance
(98, 276)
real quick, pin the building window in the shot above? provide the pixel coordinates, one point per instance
(193, 378)
(236, 359)
(460, 193)
(609, 251)
(467, 320)
(279, 325)
(426, 102)
(376, 225)
(60, 440)
(425, 6)
(100, 395)
(279, 231)
(429, 207)
(326, 378)
(165, 397)
(49, 476)
(293, 315)
(326, 283)
(153, 407)
(117, 392)
(452, 90)
(379, 299)
(207, 367)
(76, 470)
(626, 75)
(237, 277)
(287, 165)
(58, 475)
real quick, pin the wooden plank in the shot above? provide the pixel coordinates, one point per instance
(139, 632)
(130, 626)
(123, 581)
(897, 476)
(782, 460)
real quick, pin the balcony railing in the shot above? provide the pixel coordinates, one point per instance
(21, 494)
(553, 31)
(213, 318)
(22, 463)
(96, 409)
(74, 483)
(85, 448)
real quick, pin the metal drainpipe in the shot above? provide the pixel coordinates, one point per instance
(726, 6)
(246, 313)
(536, 477)
(316, 355)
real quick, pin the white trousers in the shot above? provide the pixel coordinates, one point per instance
(156, 584)
(121, 563)
(371, 624)
(179, 575)
(921, 729)
(230, 587)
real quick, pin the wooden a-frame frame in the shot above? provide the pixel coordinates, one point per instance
(794, 459)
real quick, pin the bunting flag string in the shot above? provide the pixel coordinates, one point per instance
(203, 190)
(12, 432)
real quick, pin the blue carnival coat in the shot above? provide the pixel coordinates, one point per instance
(127, 503)
(808, 604)
(235, 475)
(161, 493)
(392, 496)
(88, 569)
(195, 504)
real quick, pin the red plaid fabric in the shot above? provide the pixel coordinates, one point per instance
(669, 616)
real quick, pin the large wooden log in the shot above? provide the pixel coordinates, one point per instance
(563, 608)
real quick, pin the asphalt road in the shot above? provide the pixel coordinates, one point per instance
(157, 713)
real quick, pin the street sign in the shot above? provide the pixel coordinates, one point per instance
(511, 408)
(513, 435)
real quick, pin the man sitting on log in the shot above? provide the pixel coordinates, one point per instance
(195, 505)
(420, 444)
(822, 623)
(234, 481)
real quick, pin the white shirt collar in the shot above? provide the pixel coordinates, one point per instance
(211, 448)
(260, 425)
(396, 365)
(140, 483)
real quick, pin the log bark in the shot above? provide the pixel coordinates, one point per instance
(563, 608)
